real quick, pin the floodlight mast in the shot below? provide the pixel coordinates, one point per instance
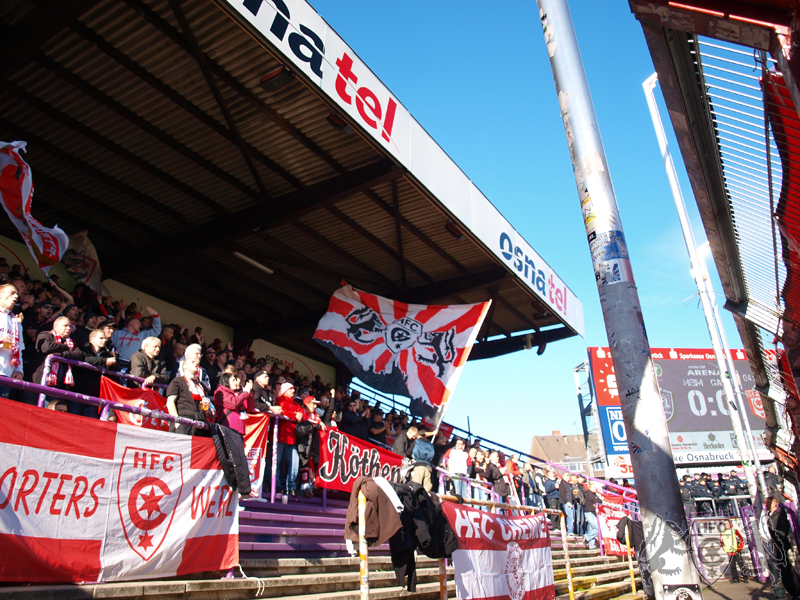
(727, 371)
(642, 412)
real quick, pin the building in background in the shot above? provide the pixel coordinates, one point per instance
(567, 451)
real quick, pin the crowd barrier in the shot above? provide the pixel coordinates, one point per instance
(106, 405)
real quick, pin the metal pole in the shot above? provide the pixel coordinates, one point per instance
(714, 327)
(443, 579)
(566, 559)
(642, 411)
(363, 553)
(274, 477)
(630, 562)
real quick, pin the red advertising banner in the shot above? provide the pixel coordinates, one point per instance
(501, 556)
(139, 397)
(343, 459)
(608, 516)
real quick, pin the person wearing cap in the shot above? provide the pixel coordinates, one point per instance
(71, 311)
(263, 397)
(378, 427)
(80, 335)
(291, 408)
(355, 422)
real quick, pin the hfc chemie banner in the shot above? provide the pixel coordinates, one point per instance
(608, 515)
(86, 500)
(343, 459)
(501, 556)
(256, 433)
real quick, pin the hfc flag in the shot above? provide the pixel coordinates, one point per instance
(413, 350)
(16, 193)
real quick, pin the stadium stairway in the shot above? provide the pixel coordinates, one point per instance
(296, 551)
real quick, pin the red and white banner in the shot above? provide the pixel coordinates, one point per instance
(256, 433)
(414, 350)
(138, 397)
(87, 500)
(256, 436)
(16, 195)
(343, 459)
(501, 556)
(81, 261)
(607, 518)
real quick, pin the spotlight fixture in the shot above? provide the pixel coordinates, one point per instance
(272, 82)
(339, 123)
(453, 230)
(253, 263)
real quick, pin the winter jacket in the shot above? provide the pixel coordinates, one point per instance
(381, 519)
(495, 477)
(229, 404)
(46, 344)
(143, 366)
(551, 489)
(287, 429)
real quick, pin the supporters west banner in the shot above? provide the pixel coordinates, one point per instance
(87, 500)
(256, 426)
(81, 261)
(414, 350)
(343, 459)
(501, 556)
(607, 517)
(16, 194)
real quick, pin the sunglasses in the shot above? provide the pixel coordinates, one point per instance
(47, 306)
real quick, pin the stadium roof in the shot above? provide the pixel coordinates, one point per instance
(185, 135)
(729, 82)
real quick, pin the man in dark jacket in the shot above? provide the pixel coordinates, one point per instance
(565, 498)
(86, 381)
(551, 496)
(404, 443)
(146, 364)
(353, 422)
(590, 500)
(263, 396)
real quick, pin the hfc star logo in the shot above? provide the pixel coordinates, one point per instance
(154, 482)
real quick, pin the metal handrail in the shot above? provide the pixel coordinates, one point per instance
(464, 433)
(51, 358)
(107, 405)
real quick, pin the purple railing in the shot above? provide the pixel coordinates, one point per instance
(51, 358)
(485, 486)
(107, 405)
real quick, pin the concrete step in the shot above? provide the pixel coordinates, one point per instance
(220, 589)
(606, 591)
(296, 566)
(587, 570)
(586, 582)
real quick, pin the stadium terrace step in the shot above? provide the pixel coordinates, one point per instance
(615, 590)
(595, 580)
(323, 588)
(295, 566)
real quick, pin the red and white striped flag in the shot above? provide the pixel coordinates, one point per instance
(414, 350)
(16, 194)
(501, 557)
(86, 500)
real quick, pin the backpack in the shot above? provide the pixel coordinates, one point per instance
(229, 445)
(423, 452)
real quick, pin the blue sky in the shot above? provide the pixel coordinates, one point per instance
(477, 77)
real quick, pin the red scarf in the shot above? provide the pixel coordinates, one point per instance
(197, 390)
(69, 380)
